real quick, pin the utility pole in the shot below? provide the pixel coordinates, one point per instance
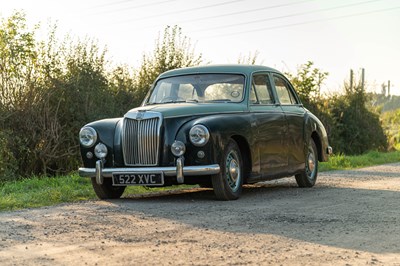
(388, 88)
(362, 79)
(351, 79)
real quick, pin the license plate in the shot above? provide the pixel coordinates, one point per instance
(138, 179)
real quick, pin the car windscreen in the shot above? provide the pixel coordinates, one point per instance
(198, 88)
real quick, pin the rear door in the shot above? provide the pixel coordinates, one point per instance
(294, 113)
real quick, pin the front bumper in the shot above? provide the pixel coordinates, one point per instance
(179, 171)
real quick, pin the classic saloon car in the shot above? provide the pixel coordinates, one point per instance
(217, 126)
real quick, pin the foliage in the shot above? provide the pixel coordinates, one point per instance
(49, 89)
(250, 59)
(8, 163)
(391, 124)
(356, 128)
(173, 50)
(385, 103)
(352, 127)
(308, 81)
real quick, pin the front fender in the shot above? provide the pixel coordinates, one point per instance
(222, 128)
(105, 134)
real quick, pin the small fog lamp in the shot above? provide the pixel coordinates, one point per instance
(100, 151)
(178, 148)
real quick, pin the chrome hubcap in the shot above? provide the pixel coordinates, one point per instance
(233, 170)
(311, 164)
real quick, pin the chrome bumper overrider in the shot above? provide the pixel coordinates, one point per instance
(178, 171)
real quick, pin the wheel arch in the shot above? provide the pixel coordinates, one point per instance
(318, 143)
(245, 152)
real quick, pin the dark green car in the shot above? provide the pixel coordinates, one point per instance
(217, 126)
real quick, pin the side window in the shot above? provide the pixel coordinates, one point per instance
(285, 94)
(261, 90)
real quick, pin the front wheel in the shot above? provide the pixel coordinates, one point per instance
(107, 190)
(228, 183)
(309, 175)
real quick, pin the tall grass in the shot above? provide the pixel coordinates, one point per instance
(341, 161)
(37, 192)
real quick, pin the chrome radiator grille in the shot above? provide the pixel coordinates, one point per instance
(141, 141)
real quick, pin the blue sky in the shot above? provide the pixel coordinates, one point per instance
(336, 35)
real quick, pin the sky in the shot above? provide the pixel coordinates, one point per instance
(337, 35)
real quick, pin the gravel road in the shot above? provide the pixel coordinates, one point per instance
(348, 218)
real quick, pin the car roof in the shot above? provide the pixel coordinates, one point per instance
(237, 69)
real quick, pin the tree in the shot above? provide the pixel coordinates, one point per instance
(18, 97)
(48, 91)
(250, 59)
(307, 82)
(173, 50)
(356, 128)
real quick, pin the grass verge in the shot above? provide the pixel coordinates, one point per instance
(343, 162)
(46, 191)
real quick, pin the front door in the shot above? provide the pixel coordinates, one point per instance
(270, 128)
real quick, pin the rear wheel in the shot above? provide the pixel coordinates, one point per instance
(309, 176)
(107, 190)
(228, 183)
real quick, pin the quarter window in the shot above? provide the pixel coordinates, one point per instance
(285, 94)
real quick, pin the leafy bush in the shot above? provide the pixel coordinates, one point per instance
(352, 128)
(356, 128)
(391, 123)
(8, 163)
(50, 89)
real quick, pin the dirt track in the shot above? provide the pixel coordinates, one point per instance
(348, 218)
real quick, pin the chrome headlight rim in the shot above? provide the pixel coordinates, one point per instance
(87, 137)
(199, 135)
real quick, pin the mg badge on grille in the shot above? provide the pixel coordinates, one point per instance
(140, 115)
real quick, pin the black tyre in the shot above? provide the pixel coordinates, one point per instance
(228, 183)
(309, 176)
(107, 190)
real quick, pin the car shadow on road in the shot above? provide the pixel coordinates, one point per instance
(326, 215)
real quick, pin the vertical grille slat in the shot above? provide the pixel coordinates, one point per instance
(140, 141)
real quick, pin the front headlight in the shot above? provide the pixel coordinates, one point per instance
(199, 135)
(87, 137)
